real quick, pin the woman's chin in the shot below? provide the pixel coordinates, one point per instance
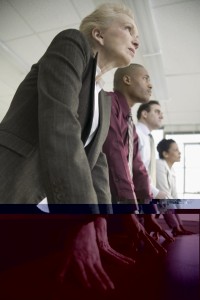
(125, 63)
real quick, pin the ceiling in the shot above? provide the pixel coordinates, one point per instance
(170, 48)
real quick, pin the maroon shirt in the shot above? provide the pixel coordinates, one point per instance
(116, 149)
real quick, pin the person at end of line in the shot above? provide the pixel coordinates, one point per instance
(169, 154)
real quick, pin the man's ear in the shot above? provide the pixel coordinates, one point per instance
(127, 79)
(144, 114)
(97, 35)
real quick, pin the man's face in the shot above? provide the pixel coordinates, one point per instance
(140, 88)
(154, 117)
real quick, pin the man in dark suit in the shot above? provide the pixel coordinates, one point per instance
(52, 135)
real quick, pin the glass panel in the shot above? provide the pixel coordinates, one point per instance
(188, 169)
(192, 168)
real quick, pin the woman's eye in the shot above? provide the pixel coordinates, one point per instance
(129, 28)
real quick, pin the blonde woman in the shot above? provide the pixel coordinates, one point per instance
(52, 135)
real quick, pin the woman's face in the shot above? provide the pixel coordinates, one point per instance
(119, 42)
(173, 154)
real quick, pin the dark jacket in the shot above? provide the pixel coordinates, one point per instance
(43, 133)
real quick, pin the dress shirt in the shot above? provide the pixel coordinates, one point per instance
(116, 149)
(152, 165)
(98, 86)
(145, 151)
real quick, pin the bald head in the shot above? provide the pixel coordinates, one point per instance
(134, 83)
(120, 73)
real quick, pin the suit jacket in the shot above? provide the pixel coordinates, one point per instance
(43, 133)
(166, 179)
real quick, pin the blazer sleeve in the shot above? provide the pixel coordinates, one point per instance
(101, 184)
(162, 178)
(67, 175)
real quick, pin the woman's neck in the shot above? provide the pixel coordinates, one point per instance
(169, 162)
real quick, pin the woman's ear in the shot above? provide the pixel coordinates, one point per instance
(97, 35)
(165, 154)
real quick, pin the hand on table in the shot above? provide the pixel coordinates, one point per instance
(151, 225)
(84, 260)
(104, 247)
(138, 233)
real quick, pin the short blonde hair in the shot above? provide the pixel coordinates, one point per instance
(103, 17)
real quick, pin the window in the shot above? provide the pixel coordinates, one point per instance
(192, 168)
(188, 169)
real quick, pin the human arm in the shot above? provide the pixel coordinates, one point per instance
(163, 179)
(101, 184)
(99, 166)
(116, 152)
(66, 172)
(144, 149)
(140, 174)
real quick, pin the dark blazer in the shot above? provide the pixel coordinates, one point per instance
(43, 133)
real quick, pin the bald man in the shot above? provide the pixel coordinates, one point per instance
(131, 85)
(129, 180)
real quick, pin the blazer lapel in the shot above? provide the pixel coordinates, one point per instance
(95, 147)
(90, 86)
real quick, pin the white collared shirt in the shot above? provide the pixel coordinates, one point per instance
(95, 121)
(145, 150)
